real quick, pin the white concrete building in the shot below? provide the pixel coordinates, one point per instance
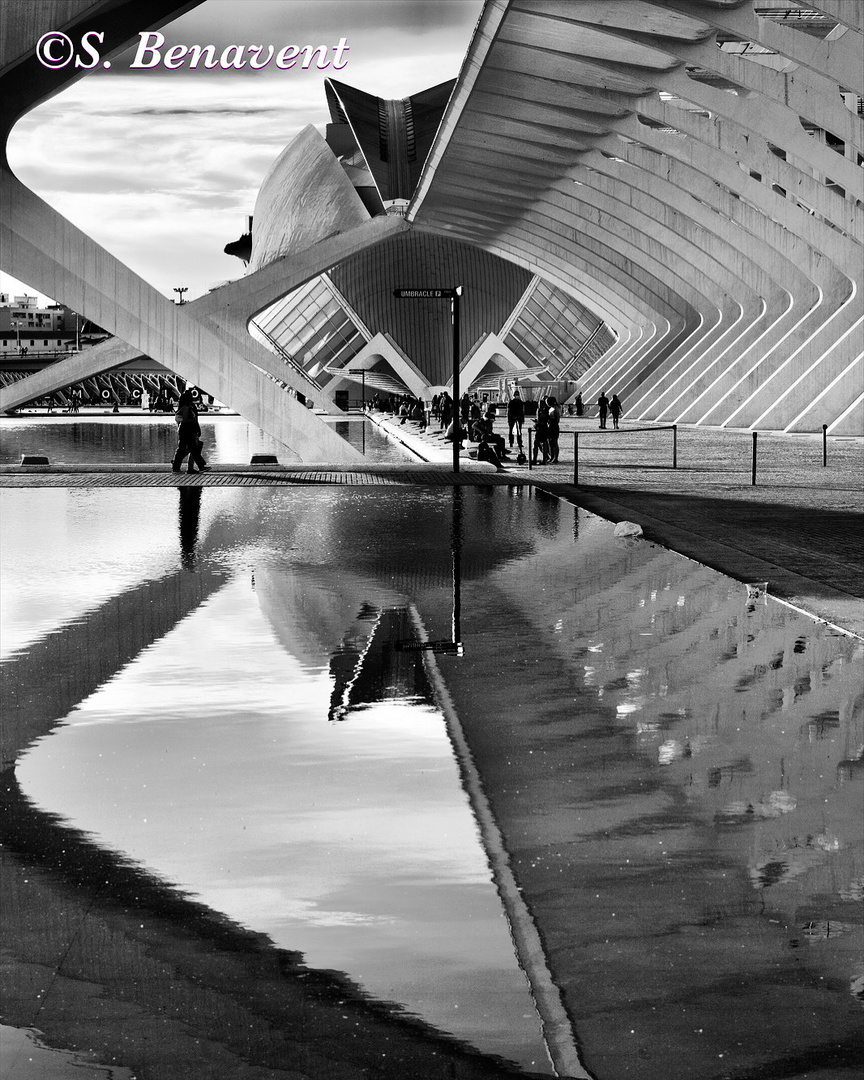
(687, 173)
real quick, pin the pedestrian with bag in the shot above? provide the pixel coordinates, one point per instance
(188, 435)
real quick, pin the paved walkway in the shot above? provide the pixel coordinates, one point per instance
(800, 528)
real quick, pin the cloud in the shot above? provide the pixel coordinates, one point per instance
(223, 111)
(373, 30)
(162, 167)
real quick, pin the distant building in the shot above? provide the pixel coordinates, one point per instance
(46, 333)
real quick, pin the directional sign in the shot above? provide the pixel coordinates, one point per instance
(424, 294)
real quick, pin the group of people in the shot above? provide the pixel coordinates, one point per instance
(405, 407)
(476, 422)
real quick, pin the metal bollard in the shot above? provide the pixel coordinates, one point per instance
(575, 457)
(824, 445)
(529, 449)
(753, 473)
(674, 446)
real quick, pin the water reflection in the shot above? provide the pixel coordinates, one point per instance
(372, 665)
(371, 441)
(403, 855)
(190, 513)
(672, 769)
(94, 440)
(206, 996)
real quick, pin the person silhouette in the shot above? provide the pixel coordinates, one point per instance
(188, 435)
(603, 407)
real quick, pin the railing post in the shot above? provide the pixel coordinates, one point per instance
(753, 471)
(529, 449)
(824, 445)
(576, 458)
(674, 446)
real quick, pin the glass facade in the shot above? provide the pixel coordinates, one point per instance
(312, 327)
(314, 331)
(552, 331)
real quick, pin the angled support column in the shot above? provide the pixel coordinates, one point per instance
(39, 246)
(224, 312)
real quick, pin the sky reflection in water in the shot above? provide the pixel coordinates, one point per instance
(655, 748)
(211, 760)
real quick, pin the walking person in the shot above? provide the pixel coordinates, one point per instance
(615, 410)
(553, 428)
(580, 407)
(515, 417)
(603, 406)
(188, 435)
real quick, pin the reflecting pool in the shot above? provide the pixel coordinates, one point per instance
(500, 793)
(228, 440)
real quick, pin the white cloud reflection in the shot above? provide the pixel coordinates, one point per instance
(210, 760)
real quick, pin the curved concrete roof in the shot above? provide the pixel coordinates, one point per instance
(688, 171)
(305, 197)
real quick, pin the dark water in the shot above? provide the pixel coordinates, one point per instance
(224, 690)
(228, 440)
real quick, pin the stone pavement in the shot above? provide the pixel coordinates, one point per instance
(800, 528)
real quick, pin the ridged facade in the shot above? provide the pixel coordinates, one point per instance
(691, 172)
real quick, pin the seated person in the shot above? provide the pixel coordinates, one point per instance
(486, 452)
(477, 430)
(484, 433)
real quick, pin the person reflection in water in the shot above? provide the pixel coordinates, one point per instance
(190, 511)
(188, 435)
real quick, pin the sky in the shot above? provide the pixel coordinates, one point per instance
(162, 167)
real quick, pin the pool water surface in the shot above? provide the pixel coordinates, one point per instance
(90, 439)
(235, 691)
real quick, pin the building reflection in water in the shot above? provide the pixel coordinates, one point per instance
(673, 769)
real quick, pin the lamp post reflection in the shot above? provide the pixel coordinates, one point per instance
(455, 646)
(456, 554)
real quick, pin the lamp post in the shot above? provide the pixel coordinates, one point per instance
(182, 289)
(453, 295)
